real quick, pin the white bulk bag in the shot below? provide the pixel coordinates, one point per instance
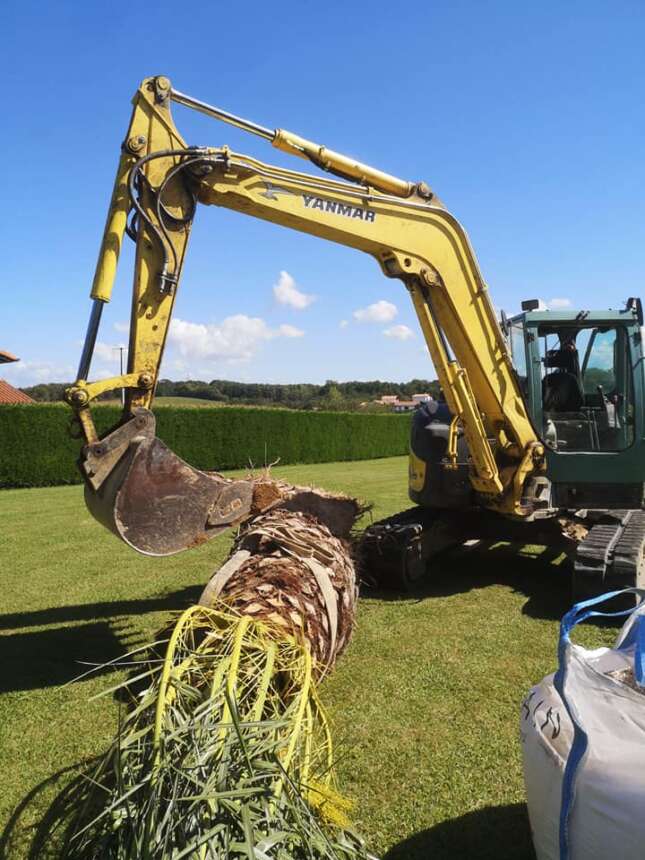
(583, 743)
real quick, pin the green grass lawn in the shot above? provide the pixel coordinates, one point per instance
(425, 702)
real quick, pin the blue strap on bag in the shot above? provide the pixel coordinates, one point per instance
(639, 654)
(581, 612)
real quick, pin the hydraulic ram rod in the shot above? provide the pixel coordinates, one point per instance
(224, 116)
(326, 159)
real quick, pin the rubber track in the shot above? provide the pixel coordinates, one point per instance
(611, 556)
(385, 543)
(628, 556)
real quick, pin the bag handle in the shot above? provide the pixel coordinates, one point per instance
(578, 613)
(581, 611)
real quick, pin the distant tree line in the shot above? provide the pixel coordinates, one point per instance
(332, 395)
(48, 392)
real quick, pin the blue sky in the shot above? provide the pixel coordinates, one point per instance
(526, 119)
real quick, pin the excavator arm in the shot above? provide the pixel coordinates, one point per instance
(136, 485)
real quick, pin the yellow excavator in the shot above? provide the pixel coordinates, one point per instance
(543, 412)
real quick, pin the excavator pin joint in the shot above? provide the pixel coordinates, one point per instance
(78, 396)
(162, 88)
(135, 144)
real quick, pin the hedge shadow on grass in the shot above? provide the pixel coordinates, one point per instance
(50, 658)
(493, 833)
(54, 656)
(175, 600)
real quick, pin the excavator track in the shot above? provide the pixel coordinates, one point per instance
(612, 555)
(394, 551)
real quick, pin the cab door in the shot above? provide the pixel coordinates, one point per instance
(593, 429)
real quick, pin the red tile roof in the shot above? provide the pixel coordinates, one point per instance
(6, 357)
(9, 394)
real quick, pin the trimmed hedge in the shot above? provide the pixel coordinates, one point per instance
(36, 449)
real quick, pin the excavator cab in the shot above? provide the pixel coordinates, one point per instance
(582, 376)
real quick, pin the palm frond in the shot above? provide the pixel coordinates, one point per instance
(226, 755)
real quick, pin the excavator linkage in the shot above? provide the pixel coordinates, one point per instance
(493, 469)
(148, 496)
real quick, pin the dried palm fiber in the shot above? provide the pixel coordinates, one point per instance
(288, 570)
(228, 753)
(335, 510)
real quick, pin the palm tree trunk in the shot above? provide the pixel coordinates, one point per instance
(291, 568)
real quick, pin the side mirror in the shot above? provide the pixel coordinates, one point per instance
(635, 304)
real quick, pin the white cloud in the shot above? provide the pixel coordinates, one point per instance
(177, 365)
(103, 373)
(236, 338)
(287, 330)
(558, 304)
(379, 312)
(287, 293)
(122, 327)
(25, 373)
(108, 351)
(343, 324)
(399, 332)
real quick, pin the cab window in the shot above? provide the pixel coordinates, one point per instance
(518, 348)
(587, 390)
(599, 367)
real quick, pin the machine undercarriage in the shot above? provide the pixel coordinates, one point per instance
(606, 548)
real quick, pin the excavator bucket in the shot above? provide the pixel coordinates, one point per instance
(150, 498)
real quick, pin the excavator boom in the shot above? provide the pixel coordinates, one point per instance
(137, 486)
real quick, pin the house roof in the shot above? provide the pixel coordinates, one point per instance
(9, 394)
(6, 357)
